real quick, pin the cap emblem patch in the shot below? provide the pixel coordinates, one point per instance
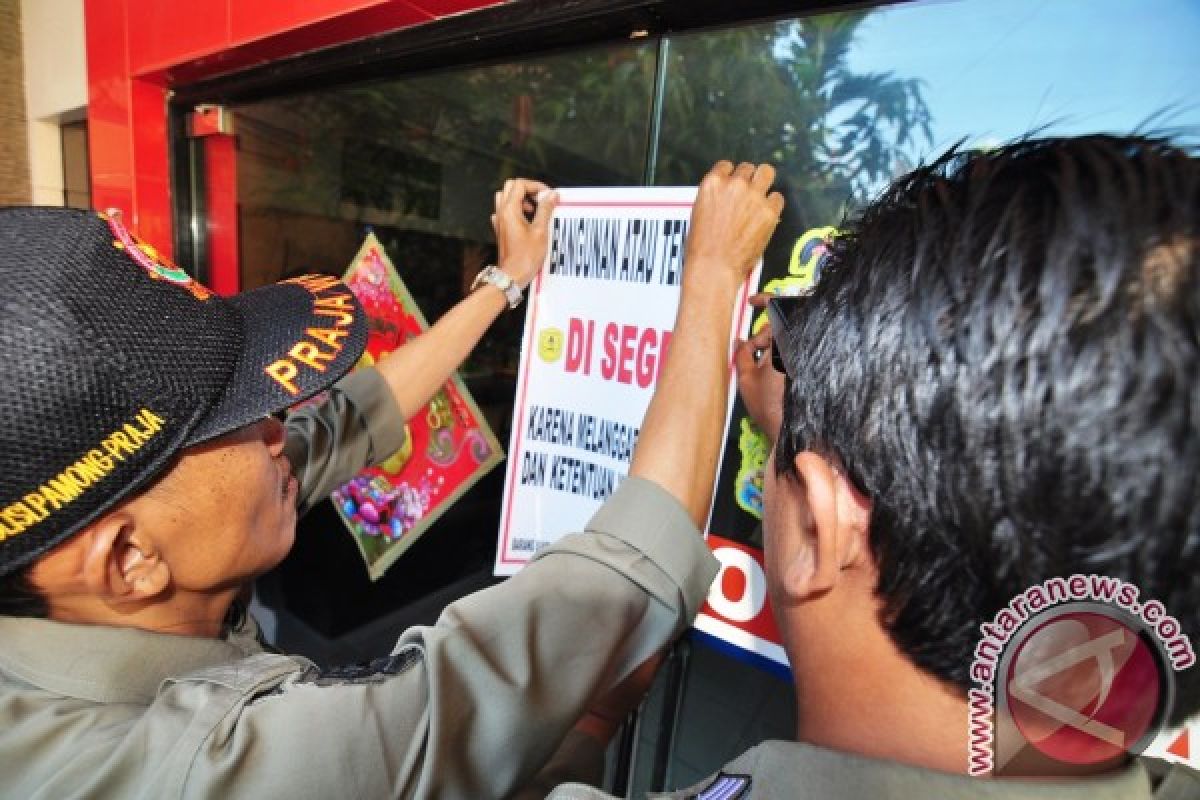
(148, 257)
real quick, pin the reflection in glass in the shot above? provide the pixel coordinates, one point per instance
(784, 92)
(417, 160)
(422, 155)
(841, 103)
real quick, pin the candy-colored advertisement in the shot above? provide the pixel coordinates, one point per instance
(449, 445)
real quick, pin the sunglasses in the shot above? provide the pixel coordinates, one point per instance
(779, 310)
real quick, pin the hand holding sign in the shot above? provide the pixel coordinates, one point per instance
(731, 222)
(520, 241)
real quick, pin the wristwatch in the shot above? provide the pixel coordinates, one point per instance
(498, 278)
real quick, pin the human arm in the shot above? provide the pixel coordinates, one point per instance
(472, 706)
(416, 371)
(731, 222)
(327, 443)
(361, 421)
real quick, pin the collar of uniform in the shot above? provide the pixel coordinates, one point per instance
(108, 664)
(778, 767)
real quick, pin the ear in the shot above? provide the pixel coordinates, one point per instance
(834, 526)
(121, 562)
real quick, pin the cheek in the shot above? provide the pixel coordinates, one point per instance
(244, 486)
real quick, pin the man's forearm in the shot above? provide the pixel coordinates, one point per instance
(681, 434)
(418, 369)
(732, 219)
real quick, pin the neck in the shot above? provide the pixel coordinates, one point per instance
(179, 613)
(856, 692)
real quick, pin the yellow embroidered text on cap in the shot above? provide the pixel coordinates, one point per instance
(307, 352)
(90, 468)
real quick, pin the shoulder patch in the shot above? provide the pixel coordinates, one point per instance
(725, 787)
(374, 671)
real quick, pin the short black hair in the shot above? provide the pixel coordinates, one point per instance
(19, 597)
(1003, 352)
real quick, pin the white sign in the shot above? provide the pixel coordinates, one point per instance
(597, 327)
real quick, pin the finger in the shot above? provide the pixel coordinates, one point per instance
(743, 358)
(764, 176)
(528, 186)
(745, 170)
(722, 167)
(498, 200)
(762, 339)
(511, 202)
(775, 201)
(545, 208)
(494, 228)
(761, 299)
(518, 190)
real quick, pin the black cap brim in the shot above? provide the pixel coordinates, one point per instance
(299, 337)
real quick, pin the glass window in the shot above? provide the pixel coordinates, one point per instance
(417, 161)
(843, 102)
(421, 156)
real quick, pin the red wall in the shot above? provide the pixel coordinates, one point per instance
(138, 49)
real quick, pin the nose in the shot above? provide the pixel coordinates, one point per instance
(272, 432)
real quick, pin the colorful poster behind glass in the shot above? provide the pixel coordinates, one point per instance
(597, 327)
(449, 446)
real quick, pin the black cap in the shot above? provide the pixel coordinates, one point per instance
(114, 360)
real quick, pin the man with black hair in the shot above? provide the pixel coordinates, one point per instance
(993, 386)
(144, 483)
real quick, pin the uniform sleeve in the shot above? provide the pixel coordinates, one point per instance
(579, 759)
(472, 706)
(358, 424)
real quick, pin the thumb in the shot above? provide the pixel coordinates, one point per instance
(760, 299)
(762, 339)
(545, 207)
(743, 357)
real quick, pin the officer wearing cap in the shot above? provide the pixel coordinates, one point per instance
(144, 484)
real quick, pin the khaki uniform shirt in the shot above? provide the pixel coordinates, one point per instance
(467, 708)
(778, 770)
